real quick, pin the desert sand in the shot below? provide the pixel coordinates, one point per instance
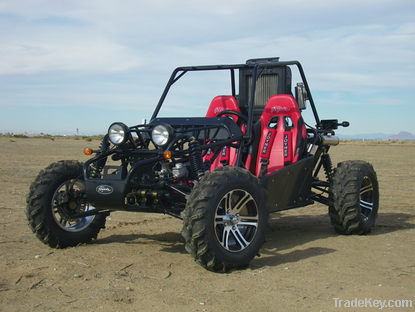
(138, 263)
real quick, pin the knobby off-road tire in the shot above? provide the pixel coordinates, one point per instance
(354, 197)
(55, 195)
(226, 219)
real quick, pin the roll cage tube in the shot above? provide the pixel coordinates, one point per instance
(181, 71)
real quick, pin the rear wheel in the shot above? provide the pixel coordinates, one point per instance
(225, 219)
(354, 196)
(56, 195)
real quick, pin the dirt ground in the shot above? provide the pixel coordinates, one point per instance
(139, 262)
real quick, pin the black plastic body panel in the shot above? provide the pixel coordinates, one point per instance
(291, 186)
(111, 196)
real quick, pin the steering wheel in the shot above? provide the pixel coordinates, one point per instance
(238, 114)
(242, 121)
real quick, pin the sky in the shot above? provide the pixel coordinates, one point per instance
(80, 65)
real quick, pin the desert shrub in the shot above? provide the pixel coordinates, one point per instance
(20, 136)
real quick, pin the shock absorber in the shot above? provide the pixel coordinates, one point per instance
(327, 165)
(196, 160)
(97, 166)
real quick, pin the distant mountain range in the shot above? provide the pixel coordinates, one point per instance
(402, 136)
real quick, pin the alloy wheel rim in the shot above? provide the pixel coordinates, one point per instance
(367, 198)
(64, 203)
(236, 220)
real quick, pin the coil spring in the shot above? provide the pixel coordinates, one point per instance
(97, 166)
(196, 160)
(328, 167)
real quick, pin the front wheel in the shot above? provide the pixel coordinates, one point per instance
(354, 197)
(56, 195)
(226, 219)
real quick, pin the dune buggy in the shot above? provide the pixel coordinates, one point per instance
(248, 154)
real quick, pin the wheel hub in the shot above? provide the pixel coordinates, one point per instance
(73, 205)
(231, 219)
(69, 208)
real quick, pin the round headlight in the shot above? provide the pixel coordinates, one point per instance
(118, 133)
(161, 134)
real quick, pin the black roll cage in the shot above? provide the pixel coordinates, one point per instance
(256, 70)
(195, 136)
